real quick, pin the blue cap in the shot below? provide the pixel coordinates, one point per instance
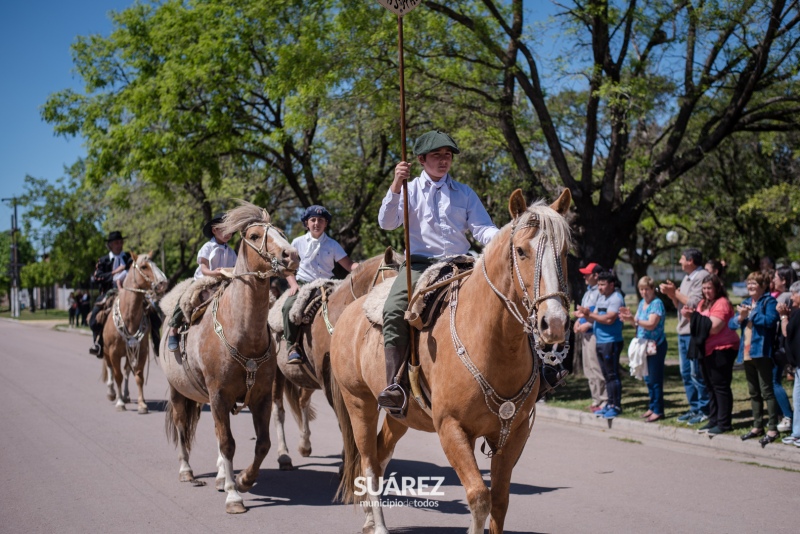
(316, 211)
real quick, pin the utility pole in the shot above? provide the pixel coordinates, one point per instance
(14, 296)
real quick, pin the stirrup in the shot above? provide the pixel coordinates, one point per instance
(394, 410)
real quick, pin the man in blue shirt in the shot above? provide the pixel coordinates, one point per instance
(608, 333)
(441, 212)
(584, 333)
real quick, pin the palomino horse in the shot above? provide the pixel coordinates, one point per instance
(479, 360)
(229, 355)
(316, 344)
(125, 332)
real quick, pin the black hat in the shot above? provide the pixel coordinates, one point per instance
(316, 211)
(113, 236)
(433, 140)
(213, 222)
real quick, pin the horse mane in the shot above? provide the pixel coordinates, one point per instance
(550, 221)
(243, 216)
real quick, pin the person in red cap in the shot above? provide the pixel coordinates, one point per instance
(584, 332)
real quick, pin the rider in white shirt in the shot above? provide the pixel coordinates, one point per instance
(441, 212)
(318, 256)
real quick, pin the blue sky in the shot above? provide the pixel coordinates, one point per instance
(35, 61)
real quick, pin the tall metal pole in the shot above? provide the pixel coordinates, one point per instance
(412, 340)
(14, 296)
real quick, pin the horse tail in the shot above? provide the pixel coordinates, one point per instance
(292, 394)
(191, 414)
(351, 462)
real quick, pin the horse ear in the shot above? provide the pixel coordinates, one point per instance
(133, 256)
(388, 256)
(561, 205)
(516, 204)
(150, 254)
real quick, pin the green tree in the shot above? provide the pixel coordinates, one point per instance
(648, 90)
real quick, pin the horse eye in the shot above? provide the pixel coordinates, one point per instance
(520, 252)
(253, 236)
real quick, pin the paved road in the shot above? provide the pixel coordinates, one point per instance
(70, 463)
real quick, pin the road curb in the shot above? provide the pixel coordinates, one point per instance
(70, 330)
(625, 427)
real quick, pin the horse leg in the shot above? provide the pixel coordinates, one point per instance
(118, 377)
(261, 411)
(390, 434)
(219, 481)
(227, 448)
(111, 394)
(139, 375)
(126, 394)
(305, 431)
(284, 460)
(459, 451)
(502, 465)
(182, 416)
(364, 421)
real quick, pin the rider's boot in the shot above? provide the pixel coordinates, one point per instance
(97, 347)
(295, 354)
(393, 398)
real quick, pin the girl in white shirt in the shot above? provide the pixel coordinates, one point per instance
(212, 258)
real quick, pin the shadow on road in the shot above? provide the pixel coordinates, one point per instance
(156, 405)
(448, 530)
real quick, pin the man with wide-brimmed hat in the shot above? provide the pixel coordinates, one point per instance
(109, 265)
(440, 213)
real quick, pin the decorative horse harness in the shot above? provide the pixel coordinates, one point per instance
(507, 409)
(250, 365)
(133, 341)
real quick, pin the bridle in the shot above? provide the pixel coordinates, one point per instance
(275, 262)
(530, 324)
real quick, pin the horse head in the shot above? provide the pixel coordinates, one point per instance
(264, 248)
(145, 274)
(538, 245)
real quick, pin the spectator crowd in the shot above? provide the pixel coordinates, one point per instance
(761, 336)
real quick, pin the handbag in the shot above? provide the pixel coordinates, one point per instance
(651, 348)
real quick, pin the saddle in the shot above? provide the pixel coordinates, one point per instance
(194, 296)
(427, 300)
(106, 305)
(305, 307)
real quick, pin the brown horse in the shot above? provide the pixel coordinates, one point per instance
(316, 344)
(126, 330)
(478, 359)
(229, 355)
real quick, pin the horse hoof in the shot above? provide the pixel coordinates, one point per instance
(285, 463)
(305, 452)
(186, 476)
(235, 508)
(143, 410)
(111, 396)
(126, 399)
(121, 408)
(241, 486)
(219, 484)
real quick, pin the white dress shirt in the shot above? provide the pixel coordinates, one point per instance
(441, 214)
(317, 256)
(217, 254)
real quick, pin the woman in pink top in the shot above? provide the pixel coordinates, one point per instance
(722, 346)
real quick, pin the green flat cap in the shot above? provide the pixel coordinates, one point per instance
(433, 140)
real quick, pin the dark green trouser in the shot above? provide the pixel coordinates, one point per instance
(177, 319)
(395, 327)
(758, 373)
(290, 330)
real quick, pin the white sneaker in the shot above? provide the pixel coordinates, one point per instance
(785, 425)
